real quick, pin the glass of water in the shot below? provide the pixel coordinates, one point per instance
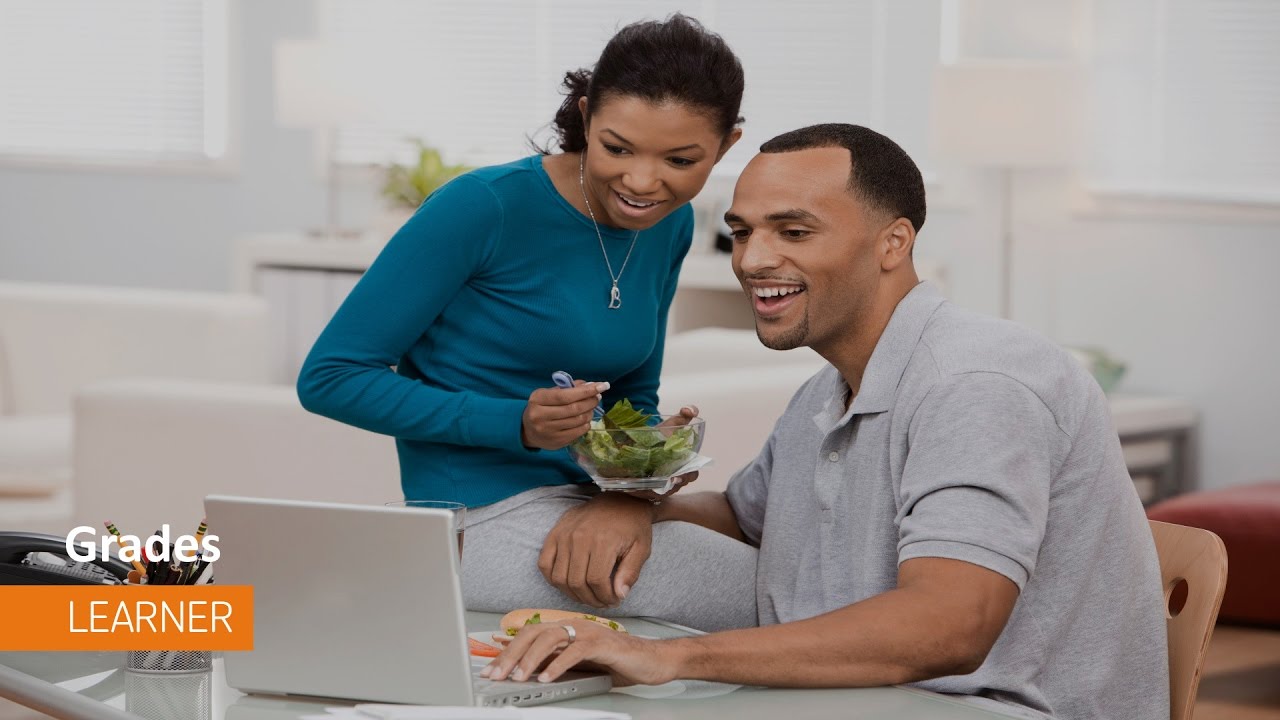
(458, 510)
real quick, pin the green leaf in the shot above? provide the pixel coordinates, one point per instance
(635, 449)
(634, 458)
(623, 416)
(410, 185)
(645, 437)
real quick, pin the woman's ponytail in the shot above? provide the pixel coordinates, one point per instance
(568, 124)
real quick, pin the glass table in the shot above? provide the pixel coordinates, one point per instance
(95, 686)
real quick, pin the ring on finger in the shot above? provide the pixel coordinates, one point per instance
(573, 634)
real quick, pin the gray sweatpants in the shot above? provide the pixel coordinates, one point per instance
(694, 576)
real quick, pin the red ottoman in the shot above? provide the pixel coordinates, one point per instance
(1247, 518)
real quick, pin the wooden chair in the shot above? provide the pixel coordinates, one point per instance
(1199, 558)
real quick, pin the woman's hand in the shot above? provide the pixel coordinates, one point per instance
(656, 497)
(556, 416)
(629, 660)
(595, 552)
(686, 414)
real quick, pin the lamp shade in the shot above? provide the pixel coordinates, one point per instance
(1007, 114)
(315, 87)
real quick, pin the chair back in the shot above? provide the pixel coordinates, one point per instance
(1199, 558)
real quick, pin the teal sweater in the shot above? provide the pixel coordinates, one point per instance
(493, 284)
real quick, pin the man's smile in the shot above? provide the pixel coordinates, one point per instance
(771, 301)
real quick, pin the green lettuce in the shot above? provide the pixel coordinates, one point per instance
(640, 450)
(533, 619)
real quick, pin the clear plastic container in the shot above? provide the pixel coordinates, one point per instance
(637, 458)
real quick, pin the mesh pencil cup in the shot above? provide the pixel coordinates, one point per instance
(169, 662)
(169, 697)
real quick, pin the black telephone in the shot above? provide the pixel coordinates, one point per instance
(38, 559)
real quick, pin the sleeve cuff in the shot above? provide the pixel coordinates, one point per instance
(494, 422)
(966, 552)
(734, 494)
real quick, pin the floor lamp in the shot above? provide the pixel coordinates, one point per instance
(1006, 116)
(316, 89)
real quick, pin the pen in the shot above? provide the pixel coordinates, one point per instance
(152, 660)
(175, 567)
(205, 576)
(111, 528)
(153, 557)
(193, 578)
(190, 570)
(193, 567)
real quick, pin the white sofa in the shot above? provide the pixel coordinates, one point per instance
(55, 339)
(148, 451)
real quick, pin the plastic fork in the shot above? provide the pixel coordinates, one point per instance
(565, 380)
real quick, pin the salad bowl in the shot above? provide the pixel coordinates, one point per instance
(630, 450)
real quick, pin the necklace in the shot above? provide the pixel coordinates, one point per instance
(615, 295)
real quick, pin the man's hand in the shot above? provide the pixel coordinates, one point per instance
(628, 659)
(556, 416)
(594, 554)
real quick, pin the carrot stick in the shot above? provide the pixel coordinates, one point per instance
(482, 649)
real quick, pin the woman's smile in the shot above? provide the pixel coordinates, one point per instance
(636, 208)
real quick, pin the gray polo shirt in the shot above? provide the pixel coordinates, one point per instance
(974, 439)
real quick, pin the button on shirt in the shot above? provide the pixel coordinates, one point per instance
(971, 439)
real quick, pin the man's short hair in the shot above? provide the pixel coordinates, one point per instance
(883, 175)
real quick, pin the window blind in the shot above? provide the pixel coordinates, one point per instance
(493, 67)
(1185, 101)
(806, 62)
(129, 81)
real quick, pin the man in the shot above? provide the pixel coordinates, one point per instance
(945, 504)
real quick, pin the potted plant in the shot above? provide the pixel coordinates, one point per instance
(406, 186)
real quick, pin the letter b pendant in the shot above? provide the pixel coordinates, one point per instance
(615, 297)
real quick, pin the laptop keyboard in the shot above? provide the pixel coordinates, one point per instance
(481, 684)
(492, 693)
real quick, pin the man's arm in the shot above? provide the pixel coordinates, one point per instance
(711, 510)
(942, 619)
(595, 552)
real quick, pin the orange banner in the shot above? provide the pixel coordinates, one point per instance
(120, 617)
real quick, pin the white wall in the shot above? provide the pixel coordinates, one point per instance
(1184, 293)
(173, 230)
(1185, 298)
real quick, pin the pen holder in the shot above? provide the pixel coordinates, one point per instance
(169, 697)
(169, 662)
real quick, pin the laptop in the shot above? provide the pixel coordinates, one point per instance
(358, 602)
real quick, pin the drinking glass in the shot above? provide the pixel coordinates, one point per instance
(458, 510)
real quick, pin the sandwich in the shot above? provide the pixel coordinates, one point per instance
(516, 619)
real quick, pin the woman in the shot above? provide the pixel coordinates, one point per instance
(561, 261)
